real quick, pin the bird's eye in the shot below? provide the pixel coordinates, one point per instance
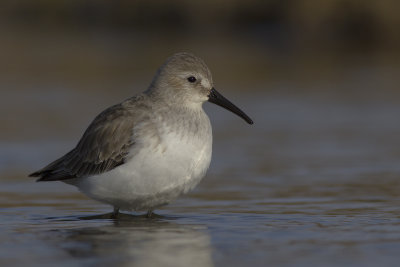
(191, 79)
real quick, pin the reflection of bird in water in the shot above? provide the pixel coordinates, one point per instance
(139, 242)
(151, 148)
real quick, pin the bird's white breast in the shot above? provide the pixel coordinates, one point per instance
(159, 168)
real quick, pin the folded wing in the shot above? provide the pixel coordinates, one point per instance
(104, 146)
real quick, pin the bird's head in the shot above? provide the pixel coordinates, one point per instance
(185, 79)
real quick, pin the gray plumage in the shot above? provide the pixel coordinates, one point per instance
(104, 145)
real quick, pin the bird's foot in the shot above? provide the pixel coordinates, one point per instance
(115, 213)
(149, 214)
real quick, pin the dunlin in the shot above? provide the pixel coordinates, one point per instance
(147, 150)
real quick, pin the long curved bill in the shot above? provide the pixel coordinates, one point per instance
(220, 100)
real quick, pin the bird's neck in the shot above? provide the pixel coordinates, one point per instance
(191, 120)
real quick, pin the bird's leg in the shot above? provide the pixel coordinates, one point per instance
(115, 213)
(149, 214)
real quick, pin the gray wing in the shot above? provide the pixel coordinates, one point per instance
(104, 146)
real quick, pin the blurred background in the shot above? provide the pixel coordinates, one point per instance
(319, 78)
(346, 47)
(110, 47)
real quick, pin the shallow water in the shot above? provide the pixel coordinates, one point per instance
(314, 181)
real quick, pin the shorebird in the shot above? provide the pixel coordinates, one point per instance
(144, 152)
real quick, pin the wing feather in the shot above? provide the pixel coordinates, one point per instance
(104, 146)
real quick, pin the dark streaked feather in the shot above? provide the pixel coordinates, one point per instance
(104, 146)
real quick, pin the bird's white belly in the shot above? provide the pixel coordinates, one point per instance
(155, 175)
